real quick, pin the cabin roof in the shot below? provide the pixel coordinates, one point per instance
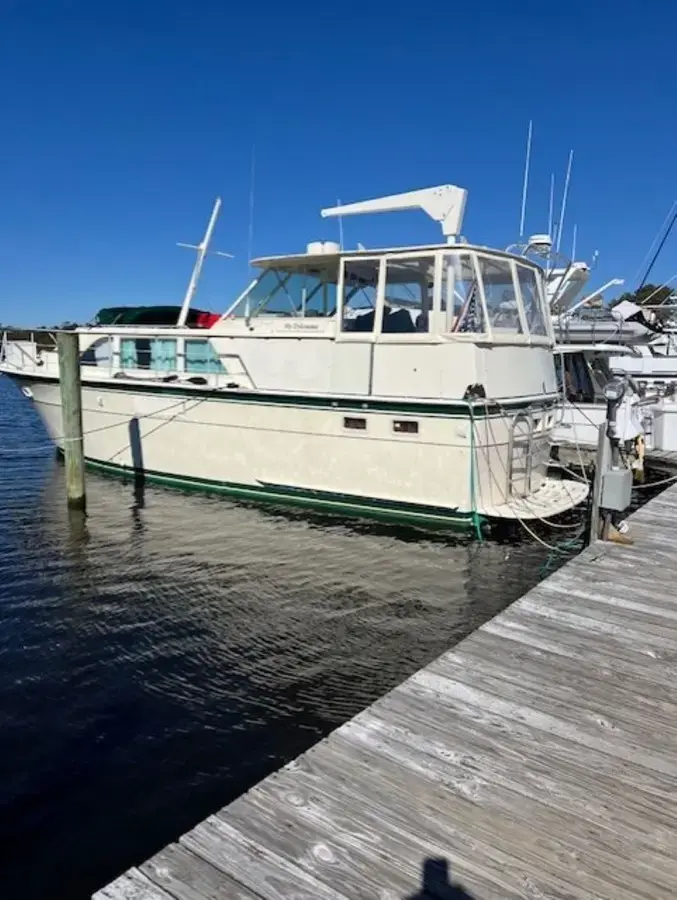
(321, 260)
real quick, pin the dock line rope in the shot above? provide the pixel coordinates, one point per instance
(63, 440)
(653, 484)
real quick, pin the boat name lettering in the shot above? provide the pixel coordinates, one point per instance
(300, 326)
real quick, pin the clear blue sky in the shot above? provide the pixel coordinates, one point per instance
(122, 121)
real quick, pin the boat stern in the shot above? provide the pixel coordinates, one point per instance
(553, 497)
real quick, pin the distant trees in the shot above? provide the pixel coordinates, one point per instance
(648, 294)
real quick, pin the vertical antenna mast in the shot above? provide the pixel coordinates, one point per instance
(573, 244)
(560, 224)
(525, 183)
(551, 208)
(340, 225)
(657, 238)
(658, 251)
(250, 234)
(201, 248)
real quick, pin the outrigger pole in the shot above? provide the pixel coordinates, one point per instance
(202, 249)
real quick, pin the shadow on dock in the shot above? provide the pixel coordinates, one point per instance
(436, 883)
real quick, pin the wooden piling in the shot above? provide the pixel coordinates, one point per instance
(71, 418)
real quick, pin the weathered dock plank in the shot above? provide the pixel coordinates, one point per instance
(186, 876)
(536, 758)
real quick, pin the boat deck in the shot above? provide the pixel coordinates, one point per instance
(536, 759)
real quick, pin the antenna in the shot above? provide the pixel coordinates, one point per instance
(250, 234)
(201, 248)
(525, 183)
(573, 243)
(551, 208)
(560, 226)
(340, 224)
(655, 240)
(658, 250)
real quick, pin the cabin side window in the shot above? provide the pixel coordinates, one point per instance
(460, 297)
(408, 295)
(202, 357)
(100, 353)
(360, 291)
(531, 300)
(155, 354)
(500, 295)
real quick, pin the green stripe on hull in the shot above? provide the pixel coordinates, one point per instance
(346, 505)
(453, 408)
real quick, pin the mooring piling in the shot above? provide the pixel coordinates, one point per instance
(71, 418)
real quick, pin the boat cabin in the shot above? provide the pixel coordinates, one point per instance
(441, 292)
(432, 321)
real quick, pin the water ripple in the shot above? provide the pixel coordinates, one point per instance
(157, 661)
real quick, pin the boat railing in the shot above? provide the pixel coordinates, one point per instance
(237, 368)
(566, 328)
(24, 352)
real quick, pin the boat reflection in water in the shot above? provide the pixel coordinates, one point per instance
(165, 654)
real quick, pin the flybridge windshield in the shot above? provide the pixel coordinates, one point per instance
(304, 292)
(448, 290)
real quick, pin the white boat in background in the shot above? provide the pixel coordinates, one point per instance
(413, 383)
(653, 362)
(584, 375)
(596, 345)
(582, 358)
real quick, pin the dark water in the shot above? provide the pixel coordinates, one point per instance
(156, 662)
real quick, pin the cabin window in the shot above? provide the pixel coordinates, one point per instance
(575, 380)
(460, 295)
(601, 372)
(531, 300)
(157, 354)
(405, 426)
(500, 295)
(163, 355)
(202, 357)
(408, 295)
(360, 288)
(306, 291)
(134, 353)
(355, 424)
(100, 353)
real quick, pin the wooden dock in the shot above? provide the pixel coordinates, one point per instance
(537, 759)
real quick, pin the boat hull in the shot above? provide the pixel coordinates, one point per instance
(347, 455)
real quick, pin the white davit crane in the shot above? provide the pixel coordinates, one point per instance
(445, 204)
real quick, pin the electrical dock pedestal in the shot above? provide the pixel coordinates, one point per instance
(536, 759)
(612, 486)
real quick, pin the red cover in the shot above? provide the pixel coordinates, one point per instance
(206, 319)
